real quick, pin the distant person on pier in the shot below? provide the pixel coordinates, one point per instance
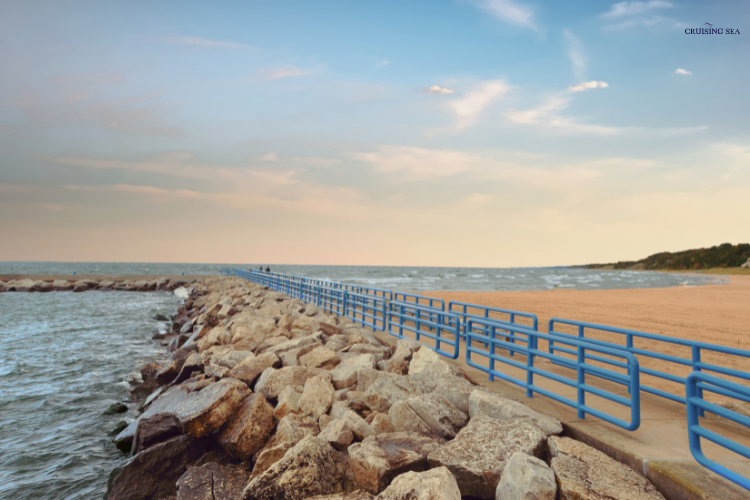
(268, 269)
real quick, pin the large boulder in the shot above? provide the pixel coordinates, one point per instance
(378, 459)
(290, 430)
(317, 396)
(272, 381)
(345, 374)
(429, 362)
(212, 482)
(248, 428)
(338, 434)
(352, 495)
(170, 372)
(205, 411)
(311, 467)
(250, 368)
(526, 478)
(434, 484)
(152, 474)
(291, 358)
(484, 403)
(457, 391)
(320, 357)
(389, 389)
(478, 454)
(155, 429)
(583, 473)
(218, 335)
(286, 403)
(357, 424)
(429, 414)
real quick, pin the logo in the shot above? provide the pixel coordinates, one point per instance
(711, 30)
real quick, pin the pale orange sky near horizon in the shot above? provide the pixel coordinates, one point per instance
(470, 134)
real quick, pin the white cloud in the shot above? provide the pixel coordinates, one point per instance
(510, 11)
(576, 55)
(629, 8)
(205, 42)
(437, 89)
(681, 71)
(468, 108)
(418, 163)
(588, 85)
(631, 23)
(545, 116)
(286, 71)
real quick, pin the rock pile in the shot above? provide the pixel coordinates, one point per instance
(269, 398)
(83, 285)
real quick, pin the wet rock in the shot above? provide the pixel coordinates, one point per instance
(435, 484)
(155, 429)
(119, 427)
(317, 396)
(287, 402)
(248, 428)
(152, 474)
(526, 478)
(116, 408)
(311, 467)
(249, 369)
(193, 364)
(345, 374)
(212, 482)
(377, 460)
(583, 473)
(272, 381)
(320, 357)
(338, 434)
(479, 453)
(430, 414)
(429, 362)
(499, 408)
(161, 317)
(170, 372)
(357, 424)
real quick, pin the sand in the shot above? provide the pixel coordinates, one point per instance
(712, 314)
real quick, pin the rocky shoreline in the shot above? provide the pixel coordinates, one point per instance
(83, 285)
(269, 398)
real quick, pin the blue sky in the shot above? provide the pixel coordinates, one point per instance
(488, 133)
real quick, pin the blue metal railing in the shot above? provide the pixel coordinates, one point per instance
(407, 316)
(696, 404)
(427, 317)
(695, 363)
(526, 343)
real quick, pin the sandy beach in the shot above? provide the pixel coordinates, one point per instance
(713, 314)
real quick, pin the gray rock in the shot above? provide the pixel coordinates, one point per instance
(377, 460)
(434, 484)
(380, 352)
(494, 406)
(247, 430)
(478, 454)
(583, 473)
(357, 424)
(212, 482)
(205, 411)
(429, 414)
(526, 478)
(428, 362)
(457, 391)
(390, 389)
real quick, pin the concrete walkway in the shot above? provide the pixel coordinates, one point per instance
(658, 449)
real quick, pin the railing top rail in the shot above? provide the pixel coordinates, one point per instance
(423, 308)
(650, 336)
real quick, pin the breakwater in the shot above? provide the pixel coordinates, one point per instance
(269, 397)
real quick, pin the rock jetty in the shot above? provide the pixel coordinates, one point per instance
(269, 398)
(83, 285)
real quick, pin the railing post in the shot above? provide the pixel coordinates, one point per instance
(696, 368)
(530, 366)
(629, 347)
(492, 351)
(401, 321)
(581, 380)
(512, 339)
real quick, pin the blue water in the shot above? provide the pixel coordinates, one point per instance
(64, 359)
(400, 278)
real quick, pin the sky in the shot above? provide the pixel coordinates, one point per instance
(475, 133)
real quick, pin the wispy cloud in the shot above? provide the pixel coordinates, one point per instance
(632, 23)
(621, 9)
(286, 71)
(437, 89)
(510, 11)
(588, 85)
(468, 108)
(382, 63)
(546, 116)
(576, 55)
(204, 42)
(681, 71)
